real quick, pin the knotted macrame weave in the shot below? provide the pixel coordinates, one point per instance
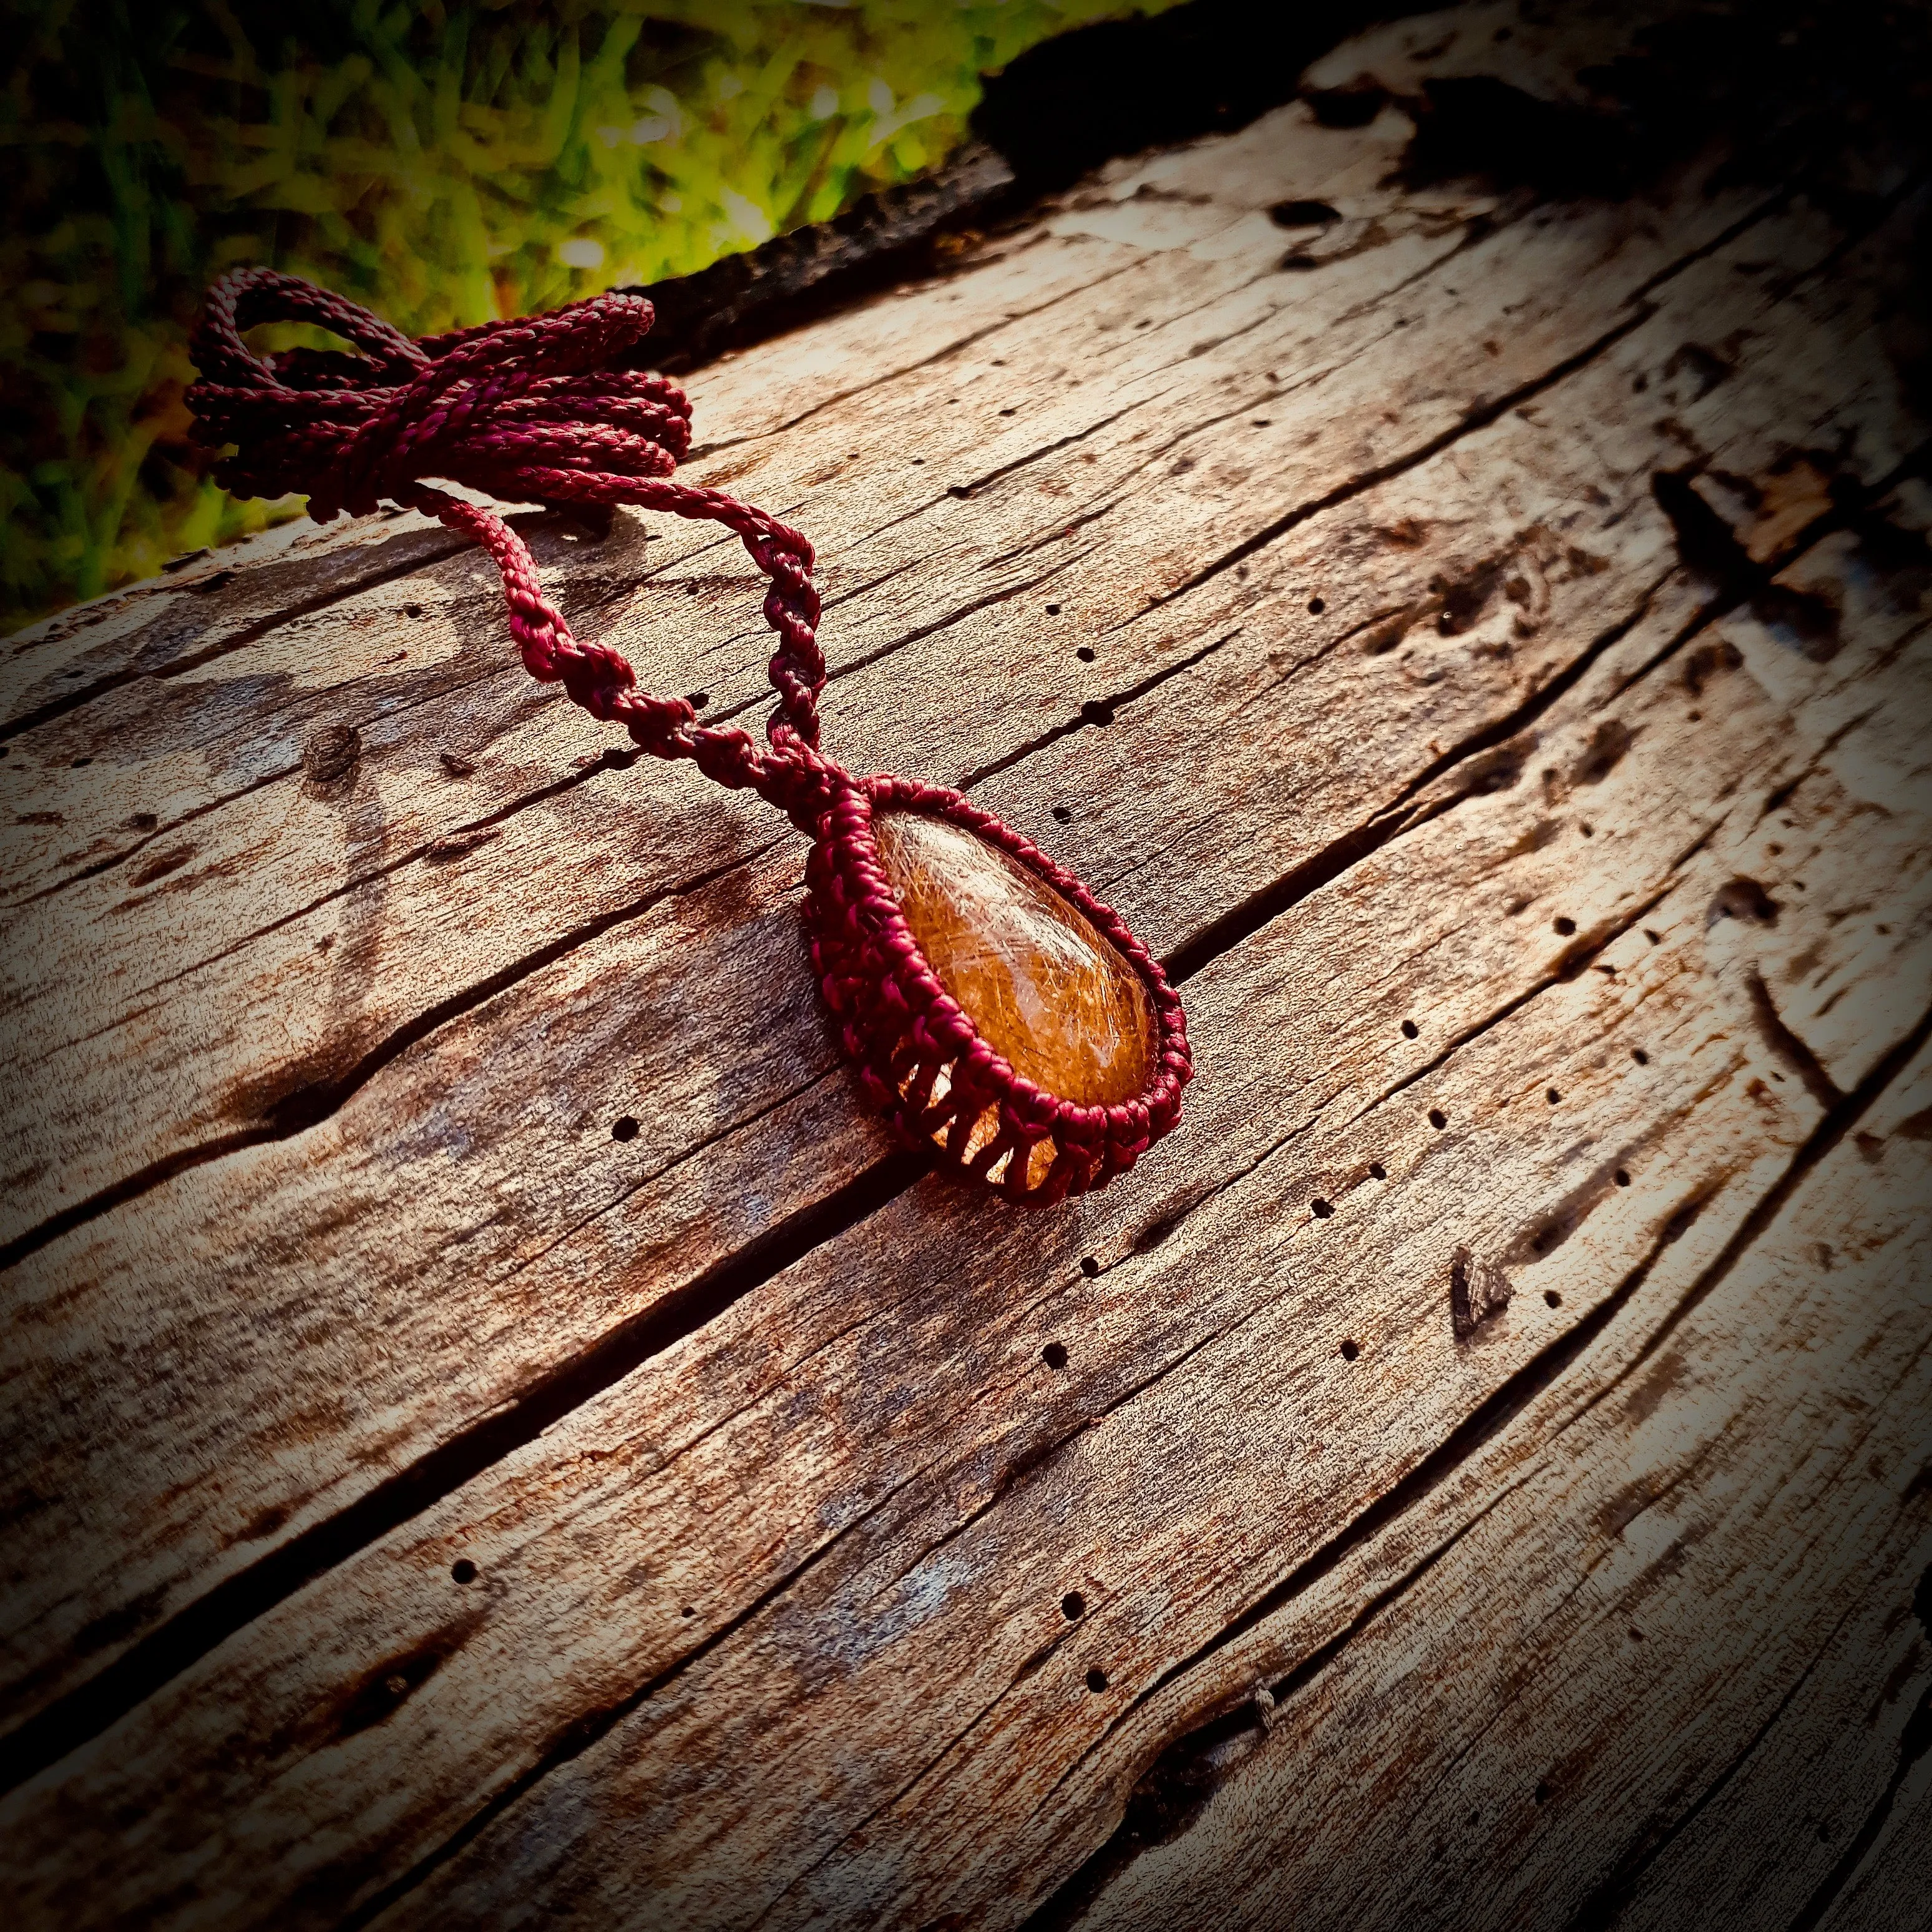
(528, 411)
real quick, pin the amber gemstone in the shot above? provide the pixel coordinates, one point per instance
(1047, 991)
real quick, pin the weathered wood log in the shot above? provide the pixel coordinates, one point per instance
(1711, 1588)
(496, 1429)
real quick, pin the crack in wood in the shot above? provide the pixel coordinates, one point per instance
(1708, 546)
(1604, 1904)
(1175, 1760)
(1840, 1121)
(1576, 958)
(1469, 424)
(305, 1106)
(251, 634)
(1914, 1745)
(1100, 712)
(199, 1626)
(1786, 1046)
(1322, 868)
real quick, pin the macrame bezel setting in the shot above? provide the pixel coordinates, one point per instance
(919, 1060)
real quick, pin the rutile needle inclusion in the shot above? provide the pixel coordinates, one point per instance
(1044, 989)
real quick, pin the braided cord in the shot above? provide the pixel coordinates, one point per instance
(526, 411)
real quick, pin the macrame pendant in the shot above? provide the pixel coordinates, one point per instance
(992, 1008)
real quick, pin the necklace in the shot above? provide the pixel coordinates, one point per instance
(990, 1006)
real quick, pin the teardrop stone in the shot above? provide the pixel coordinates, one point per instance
(1047, 991)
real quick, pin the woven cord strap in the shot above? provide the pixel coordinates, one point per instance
(527, 411)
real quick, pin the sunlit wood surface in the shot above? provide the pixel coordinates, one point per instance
(494, 1431)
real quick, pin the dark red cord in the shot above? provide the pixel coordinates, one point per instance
(532, 412)
(528, 411)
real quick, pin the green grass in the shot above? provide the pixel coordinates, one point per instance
(441, 163)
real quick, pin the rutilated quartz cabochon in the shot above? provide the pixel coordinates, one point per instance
(993, 1007)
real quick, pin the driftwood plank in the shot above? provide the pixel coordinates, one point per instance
(497, 1433)
(303, 1420)
(1674, 1671)
(781, 1426)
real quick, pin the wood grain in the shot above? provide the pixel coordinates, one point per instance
(496, 1432)
(817, 1417)
(728, 1038)
(1711, 1568)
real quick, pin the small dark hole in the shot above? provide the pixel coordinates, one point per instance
(1089, 1267)
(1636, 1635)
(143, 821)
(691, 590)
(1298, 261)
(1438, 1119)
(1054, 1354)
(1072, 1605)
(1409, 1029)
(1322, 1209)
(1303, 215)
(917, 460)
(687, 1611)
(1377, 1170)
(464, 1571)
(1638, 1054)
(412, 609)
(625, 1129)
(1096, 1678)
(1350, 1350)
(1085, 653)
(1053, 610)
(1316, 607)
(1553, 1096)
(1623, 1176)
(1005, 412)
(1655, 938)
(1587, 831)
(1095, 712)
(1566, 926)
(1555, 1299)
(1542, 1794)
(1064, 813)
(79, 762)
(698, 700)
